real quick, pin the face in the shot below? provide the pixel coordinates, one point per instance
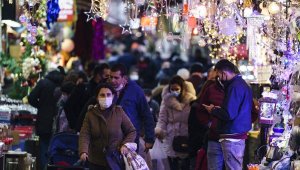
(105, 93)
(212, 74)
(105, 74)
(175, 87)
(222, 75)
(117, 79)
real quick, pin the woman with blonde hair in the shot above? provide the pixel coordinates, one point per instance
(172, 125)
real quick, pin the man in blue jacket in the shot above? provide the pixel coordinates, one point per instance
(234, 114)
(132, 99)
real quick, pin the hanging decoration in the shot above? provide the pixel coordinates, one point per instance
(99, 8)
(52, 12)
(254, 38)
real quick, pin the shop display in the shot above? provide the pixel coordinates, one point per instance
(261, 38)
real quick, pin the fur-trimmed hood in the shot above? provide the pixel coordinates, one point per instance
(188, 95)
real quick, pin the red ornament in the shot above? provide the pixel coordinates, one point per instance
(192, 22)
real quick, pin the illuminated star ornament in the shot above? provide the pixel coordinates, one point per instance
(91, 15)
(126, 28)
(99, 8)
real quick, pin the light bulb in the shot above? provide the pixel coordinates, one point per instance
(195, 31)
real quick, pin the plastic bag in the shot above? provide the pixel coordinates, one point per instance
(157, 151)
(159, 157)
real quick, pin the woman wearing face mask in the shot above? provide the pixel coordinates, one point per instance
(105, 130)
(173, 120)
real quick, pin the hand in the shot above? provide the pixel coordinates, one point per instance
(124, 150)
(159, 136)
(159, 133)
(210, 107)
(148, 146)
(83, 156)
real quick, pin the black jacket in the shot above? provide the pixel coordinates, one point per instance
(42, 97)
(77, 100)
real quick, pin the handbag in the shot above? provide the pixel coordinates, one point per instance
(115, 160)
(180, 143)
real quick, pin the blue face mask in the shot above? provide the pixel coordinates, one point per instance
(175, 93)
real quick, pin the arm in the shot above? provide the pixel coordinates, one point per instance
(147, 118)
(34, 96)
(230, 106)
(162, 122)
(84, 137)
(127, 128)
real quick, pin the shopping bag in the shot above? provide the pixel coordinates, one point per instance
(157, 151)
(134, 161)
(159, 157)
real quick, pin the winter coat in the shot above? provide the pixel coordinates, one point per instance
(134, 103)
(235, 112)
(173, 117)
(104, 131)
(42, 97)
(77, 100)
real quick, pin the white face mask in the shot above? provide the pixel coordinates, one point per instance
(105, 102)
(134, 77)
(175, 93)
(148, 99)
(120, 87)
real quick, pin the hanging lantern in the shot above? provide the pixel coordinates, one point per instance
(267, 110)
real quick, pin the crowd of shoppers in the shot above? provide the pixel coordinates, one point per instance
(186, 112)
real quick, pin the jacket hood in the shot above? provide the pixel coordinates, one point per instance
(55, 76)
(188, 95)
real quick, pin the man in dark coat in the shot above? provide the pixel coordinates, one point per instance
(42, 97)
(81, 94)
(132, 99)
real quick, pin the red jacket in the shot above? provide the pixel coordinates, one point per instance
(211, 93)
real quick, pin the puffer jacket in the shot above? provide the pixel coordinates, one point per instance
(104, 131)
(173, 117)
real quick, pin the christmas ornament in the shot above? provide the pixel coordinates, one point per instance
(52, 12)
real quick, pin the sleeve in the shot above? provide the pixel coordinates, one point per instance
(85, 135)
(147, 118)
(201, 113)
(34, 96)
(73, 105)
(230, 107)
(79, 120)
(127, 128)
(155, 110)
